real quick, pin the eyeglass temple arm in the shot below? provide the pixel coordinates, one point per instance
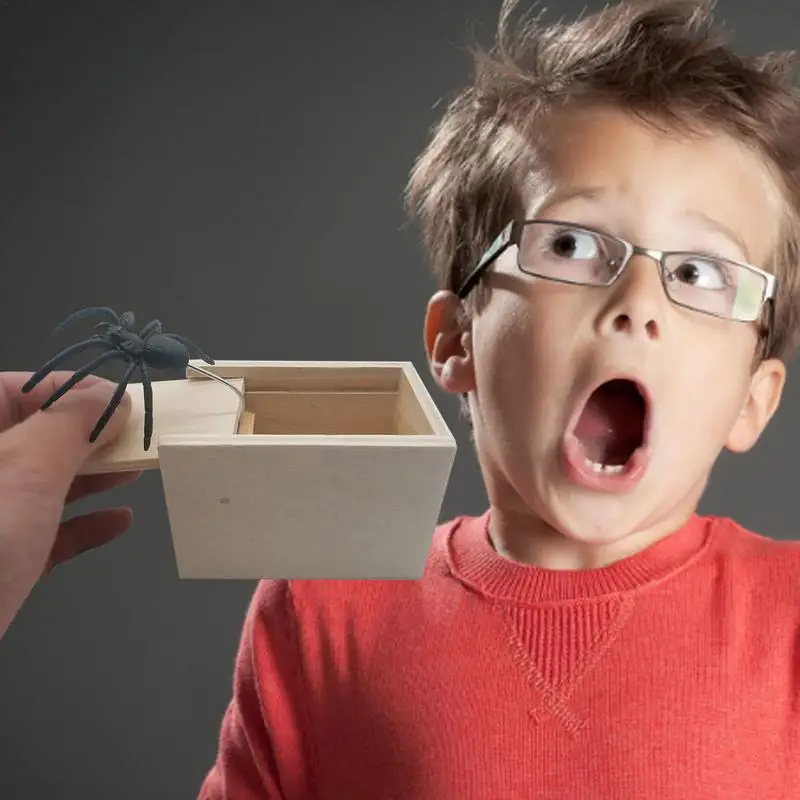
(495, 249)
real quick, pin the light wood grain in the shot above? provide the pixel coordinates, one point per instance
(319, 507)
(318, 376)
(246, 423)
(310, 413)
(179, 407)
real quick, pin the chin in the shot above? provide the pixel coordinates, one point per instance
(589, 520)
(623, 522)
(593, 526)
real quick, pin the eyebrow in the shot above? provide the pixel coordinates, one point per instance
(598, 193)
(579, 193)
(718, 227)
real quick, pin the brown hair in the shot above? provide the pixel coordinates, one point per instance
(662, 60)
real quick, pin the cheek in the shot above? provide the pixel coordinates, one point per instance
(521, 361)
(709, 391)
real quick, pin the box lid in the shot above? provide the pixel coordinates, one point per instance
(186, 406)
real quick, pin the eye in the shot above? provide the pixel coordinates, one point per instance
(574, 244)
(703, 274)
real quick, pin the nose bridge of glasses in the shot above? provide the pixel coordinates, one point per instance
(622, 261)
(649, 252)
(652, 255)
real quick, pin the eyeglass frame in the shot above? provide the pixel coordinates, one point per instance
(512, 235)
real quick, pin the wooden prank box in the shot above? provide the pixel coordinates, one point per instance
(318, 470)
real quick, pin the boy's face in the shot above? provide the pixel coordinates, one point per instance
(535, 347)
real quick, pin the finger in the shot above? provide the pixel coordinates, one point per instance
(85, 485)
(88, 532)
(43, 453)
(16, 406)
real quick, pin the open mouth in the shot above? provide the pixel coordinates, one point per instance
(609, 440)
(611, 426)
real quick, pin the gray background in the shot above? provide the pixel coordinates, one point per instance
(235, 169)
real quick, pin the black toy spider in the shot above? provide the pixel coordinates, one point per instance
(151, 347)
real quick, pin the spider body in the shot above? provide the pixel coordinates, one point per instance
(150, 348)
(158, 350)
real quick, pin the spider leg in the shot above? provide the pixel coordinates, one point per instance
(88, 312)
(80, 374)
(147, 391)
(191, 346)
(116, 399)
(46, 369)
(151, 329)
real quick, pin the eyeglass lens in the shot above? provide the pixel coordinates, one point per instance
(576, 255)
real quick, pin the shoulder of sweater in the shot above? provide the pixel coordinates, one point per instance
(740, 540)
(767, 565)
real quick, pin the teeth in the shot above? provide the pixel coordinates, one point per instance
(605, 469)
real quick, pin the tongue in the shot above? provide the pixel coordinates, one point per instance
(611, 425)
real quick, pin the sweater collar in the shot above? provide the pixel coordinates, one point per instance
(474, 561)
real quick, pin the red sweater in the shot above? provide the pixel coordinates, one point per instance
(671, 675)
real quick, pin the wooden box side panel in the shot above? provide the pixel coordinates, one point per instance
(322, 413)
(409, 413)
(315, 511)
(416, 409)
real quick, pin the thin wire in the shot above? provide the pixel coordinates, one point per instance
(217, 378)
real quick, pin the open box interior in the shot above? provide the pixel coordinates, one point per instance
(316, 404)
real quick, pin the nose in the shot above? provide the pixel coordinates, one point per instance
(636, 303)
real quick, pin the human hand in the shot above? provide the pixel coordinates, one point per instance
(40, 455)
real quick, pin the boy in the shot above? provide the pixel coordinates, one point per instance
(589, 636)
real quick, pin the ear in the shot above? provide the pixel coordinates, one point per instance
(761, 402)
(448, 345)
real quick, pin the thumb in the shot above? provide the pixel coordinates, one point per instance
(49, 447)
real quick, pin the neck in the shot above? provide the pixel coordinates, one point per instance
(523, 537)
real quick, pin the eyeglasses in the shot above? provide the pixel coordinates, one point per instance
(567, 253)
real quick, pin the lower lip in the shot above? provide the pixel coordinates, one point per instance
(578, 471)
